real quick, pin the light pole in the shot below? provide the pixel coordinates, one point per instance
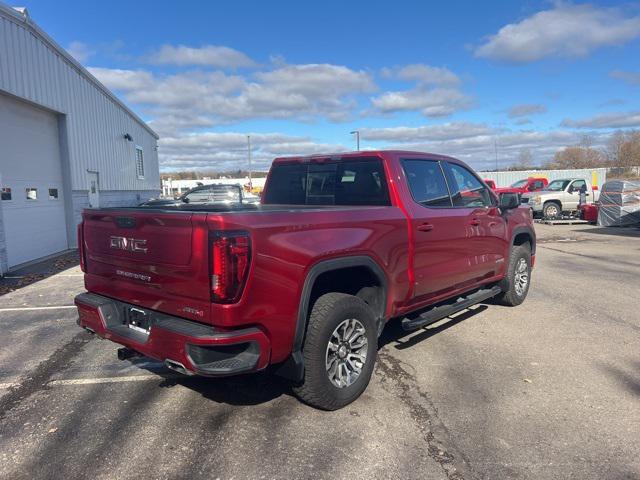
(357, 134)
(249, 151)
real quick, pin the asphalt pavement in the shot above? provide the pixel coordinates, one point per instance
(547, 390)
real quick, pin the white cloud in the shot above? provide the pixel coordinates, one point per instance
(317, 79)
(474, 142)
(526, 109)
(437, 102)
(302, 92)
(567, 30)
(445, 131)
(435, 93)
(124, 80)
(207, 55)
(606, 120)
(423, 74)
(80, 51)
(632, 78)
(228, 150)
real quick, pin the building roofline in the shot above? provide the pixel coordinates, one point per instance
(25, 20)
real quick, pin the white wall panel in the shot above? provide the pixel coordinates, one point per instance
(506, 178)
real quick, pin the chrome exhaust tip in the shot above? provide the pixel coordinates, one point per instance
(177, 367)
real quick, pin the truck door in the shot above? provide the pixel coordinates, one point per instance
(439, 231)
(485, 226)
(572, 195)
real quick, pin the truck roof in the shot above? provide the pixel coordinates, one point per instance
(365, 154)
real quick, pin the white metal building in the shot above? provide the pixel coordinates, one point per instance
(597, 176)
(66, 143)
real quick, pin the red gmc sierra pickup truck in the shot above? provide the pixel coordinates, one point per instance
(305, 281)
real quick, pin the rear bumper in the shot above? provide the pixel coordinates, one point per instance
(200, 349)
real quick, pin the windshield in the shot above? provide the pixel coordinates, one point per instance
(557, 185)
(519, 183)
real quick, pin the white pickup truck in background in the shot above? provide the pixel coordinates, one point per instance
(559, 196)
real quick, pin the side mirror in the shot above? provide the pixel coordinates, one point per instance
(509, 201)
(186, 200)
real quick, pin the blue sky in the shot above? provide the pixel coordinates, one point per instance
(450, 77)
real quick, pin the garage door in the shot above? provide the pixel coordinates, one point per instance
(31, 181)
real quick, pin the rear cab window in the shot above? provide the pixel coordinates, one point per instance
(359, 181)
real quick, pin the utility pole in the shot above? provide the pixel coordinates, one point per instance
(357, 134)
(249, 152)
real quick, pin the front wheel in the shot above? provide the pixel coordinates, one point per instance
(515, 285)
(552, 210)
(339, 351)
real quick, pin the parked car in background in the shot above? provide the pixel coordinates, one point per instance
(305, 281)
(213, 193)
(531, 184)
(559, 196)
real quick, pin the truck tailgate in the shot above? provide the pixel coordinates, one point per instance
(155, 259)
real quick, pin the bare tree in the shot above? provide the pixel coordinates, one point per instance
(524, 162)
(614, 147)
(623, 149)
(578, 156)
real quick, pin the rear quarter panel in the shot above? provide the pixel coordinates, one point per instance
(285, 246)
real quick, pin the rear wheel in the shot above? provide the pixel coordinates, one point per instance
(515, 285)
(339, 351)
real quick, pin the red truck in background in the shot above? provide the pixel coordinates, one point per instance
(306, 281)
(490, 183)
(531, 184)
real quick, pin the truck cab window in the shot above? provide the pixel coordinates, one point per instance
(466, 189)
(426, 182)
(357, 182)
(557, 185)
(577, 185)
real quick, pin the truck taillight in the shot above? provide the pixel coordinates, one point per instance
(230, 258)
(81, 252)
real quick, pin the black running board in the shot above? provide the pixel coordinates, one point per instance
(442, 311)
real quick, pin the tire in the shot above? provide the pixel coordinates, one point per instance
(327, 326)
(552, 210)
(513, 290)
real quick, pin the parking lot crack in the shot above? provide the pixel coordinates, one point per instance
(37, 379)
(440, 447)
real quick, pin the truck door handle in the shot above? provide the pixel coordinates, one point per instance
(425, 227)
(474, 221)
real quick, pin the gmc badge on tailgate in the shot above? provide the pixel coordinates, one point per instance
(128, 244)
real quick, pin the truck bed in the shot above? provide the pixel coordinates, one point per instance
(231, 208)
